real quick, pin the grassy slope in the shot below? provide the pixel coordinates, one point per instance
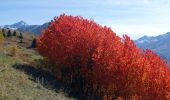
(21, 84)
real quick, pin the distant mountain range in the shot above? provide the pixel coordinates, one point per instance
(24, 27)
(159, 44)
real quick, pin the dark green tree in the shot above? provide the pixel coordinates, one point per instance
(3, 32)
(21, 38)
(14, 33)
(33, 45)
(9, 33)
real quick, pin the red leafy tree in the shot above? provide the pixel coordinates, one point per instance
(97, 64)
(71, 42)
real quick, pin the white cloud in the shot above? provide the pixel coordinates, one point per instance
(137, 30)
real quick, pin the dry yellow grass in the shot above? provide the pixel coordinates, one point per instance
(18, 84)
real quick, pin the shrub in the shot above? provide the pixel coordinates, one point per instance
(97, 64)
(20, 38)
(1, 38)
(14, 33)
(9, 34)
(12, 50)
(3, 32)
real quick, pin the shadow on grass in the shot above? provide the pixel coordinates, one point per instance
(40, 76)
(47, 80)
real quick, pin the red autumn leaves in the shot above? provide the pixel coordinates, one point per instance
(109, 66)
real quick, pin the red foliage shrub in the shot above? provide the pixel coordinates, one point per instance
(98, 64)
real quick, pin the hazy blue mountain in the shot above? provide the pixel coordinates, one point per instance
(159, 44)
(16, 25)
(33, 28)
(24, 27)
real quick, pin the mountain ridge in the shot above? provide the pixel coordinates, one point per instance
(159, 44)
(24, 27)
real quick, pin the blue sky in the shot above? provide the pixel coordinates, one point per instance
(133, 17)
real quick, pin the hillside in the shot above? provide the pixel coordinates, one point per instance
(14, 36)
(20, 78)
(159, 44)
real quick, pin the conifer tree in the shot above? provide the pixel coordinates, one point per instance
(9, 33)
(3, 32)
(14, 33)
(21, 38)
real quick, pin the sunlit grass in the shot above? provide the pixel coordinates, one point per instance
(17, 85)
